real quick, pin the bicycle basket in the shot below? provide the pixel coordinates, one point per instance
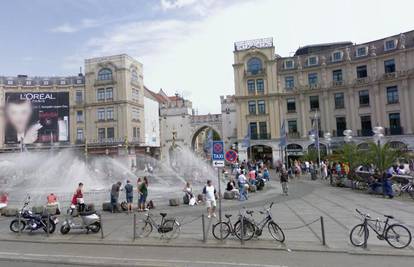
(167, 226)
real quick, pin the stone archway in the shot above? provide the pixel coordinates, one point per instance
(200, 137)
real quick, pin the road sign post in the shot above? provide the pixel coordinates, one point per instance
(218, 162)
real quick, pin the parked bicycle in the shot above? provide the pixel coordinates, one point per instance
(397, 235)
(228, 228)
(168, 228)
(406, 188)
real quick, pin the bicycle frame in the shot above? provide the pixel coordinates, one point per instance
(151, 221)
(368, 221)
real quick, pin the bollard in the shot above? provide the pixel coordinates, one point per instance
(203, 224)
(19, 218)
(323, 231)
(100, 220)
(48, 223)
(242, 230)
(365, 234)
(134, 230)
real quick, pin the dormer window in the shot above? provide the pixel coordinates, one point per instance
(390, 44)
(361, 51)
(337, 56)
(78, 81)
(10, 82)
(28, 82)
(289, 64)
(312, 61)
(45, 82)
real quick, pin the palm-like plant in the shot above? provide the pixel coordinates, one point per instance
(382, 156)
(350, 154)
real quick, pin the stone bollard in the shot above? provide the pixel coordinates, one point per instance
(228, 195)
(174, 202)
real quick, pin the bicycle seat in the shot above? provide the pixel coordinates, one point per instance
(389, 216)
(227, 216)
(163, 214)
(250, 212)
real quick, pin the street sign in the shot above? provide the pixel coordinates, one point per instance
(218, 154)
(231, 156)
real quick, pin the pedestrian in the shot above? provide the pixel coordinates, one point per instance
(266, 174)
(52, 202)
(143, 193)
(129, 194)
(77, 198)
(284, 181)
(243, 186)
(210, 193)
(115, 196)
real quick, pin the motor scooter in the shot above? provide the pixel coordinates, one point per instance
(89, 220)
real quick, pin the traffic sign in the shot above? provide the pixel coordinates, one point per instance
(231, 156)
(218, 154)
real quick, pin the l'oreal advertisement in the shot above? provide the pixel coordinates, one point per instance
(36, 117)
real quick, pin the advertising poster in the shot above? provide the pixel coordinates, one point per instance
(36, 117)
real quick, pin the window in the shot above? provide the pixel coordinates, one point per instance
(252, 107)
(46, 82)
(336, 56)
(312, 79)
(110, 133)
(260, 85)
(366, 126)
(361, 51)
(251, 88)
(134, 75)
(261, 106)
(110, 113)
(10, 82)
(289, 82)
(101, 133)
(62, 82)
(395, 123)
(253, 130)
(392, 95)
(292, 126)
(291, 105)
(314, 102)
(389, 66)
(390, 45)
(28, 82)
(337, 76)
(109, 93)
(364, 98)
(339, 100)
(78, 81)
(289, 64)
(100, 95)
(105, 74)
(135, 94)
(362, 71)
(254, 65)
(340, 126)
(136, 133)
(312, 61)
(79, 134)
(79, 116)
(79, 97)
(263, 130)
(101, 114)
(135, 114)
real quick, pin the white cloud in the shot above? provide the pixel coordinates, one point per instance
(84, 24)
(64, 28)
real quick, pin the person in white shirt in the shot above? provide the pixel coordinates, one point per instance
(210, 192)
(243, 187)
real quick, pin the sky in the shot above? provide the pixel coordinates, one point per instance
(186, 46)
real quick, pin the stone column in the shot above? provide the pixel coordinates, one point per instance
(405, 107)
(377, 106)
(327, 118)
(303, 113)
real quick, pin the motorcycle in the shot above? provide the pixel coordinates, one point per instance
(89, 221)
(25, 219)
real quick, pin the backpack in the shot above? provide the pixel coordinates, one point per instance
(150, 205)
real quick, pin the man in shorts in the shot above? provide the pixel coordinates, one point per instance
(129, 194)
(210, 193)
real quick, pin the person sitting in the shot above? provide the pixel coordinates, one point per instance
(231, 187)
(4, 200)
(188, 190)
(52, 202)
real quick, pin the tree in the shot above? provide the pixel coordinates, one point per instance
(310, 155)
(383, 156)
(350, 154)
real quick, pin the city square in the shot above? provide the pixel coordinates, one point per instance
(121, 144)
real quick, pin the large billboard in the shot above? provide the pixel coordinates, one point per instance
(36, 117)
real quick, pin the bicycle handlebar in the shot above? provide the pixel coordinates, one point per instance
(362, 214)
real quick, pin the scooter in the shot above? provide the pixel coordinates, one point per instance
(89, 221)
(27, 220)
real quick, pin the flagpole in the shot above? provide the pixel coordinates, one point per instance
(317, 136)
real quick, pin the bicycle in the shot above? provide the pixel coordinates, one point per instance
(394, 233)
(168, 228)
(274, 229)
(407, 188)
(228, 228)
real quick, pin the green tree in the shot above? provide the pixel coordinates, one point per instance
(350, 154)
(383, 156)
(310, 155)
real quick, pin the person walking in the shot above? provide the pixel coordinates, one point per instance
(115, 196)
(143, 193)
(129, 194)
(243, 186)
(284, 181)
(210, 193)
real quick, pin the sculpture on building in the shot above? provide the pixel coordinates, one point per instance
(347, 54)
(402, 41)
(373, 49)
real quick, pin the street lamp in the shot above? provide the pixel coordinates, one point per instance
(378, 135)
(328, 140)
(347, 135)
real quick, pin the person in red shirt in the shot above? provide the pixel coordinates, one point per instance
(52, 202)
(77, 198)
(4, 200)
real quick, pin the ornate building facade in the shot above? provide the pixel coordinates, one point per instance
(337, 86)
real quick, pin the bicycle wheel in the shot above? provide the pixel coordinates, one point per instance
(145, 230)
(225, 230)
(398, 236)
(276, 232)
(248, 230)
(173, 227)
(357, 235)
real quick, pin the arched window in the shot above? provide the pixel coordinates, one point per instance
(134, 75)
(105, 74)
(254, 65)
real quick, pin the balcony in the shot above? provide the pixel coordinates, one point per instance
(294, 135)
(260, 136)
(389, 76)
(258, 72)
(394, 131)
(338, 83)
(313, 86)
(360, 81)
(365, 132)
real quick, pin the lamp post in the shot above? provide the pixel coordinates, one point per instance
(328, 140)
(378, 135)
(347, 136)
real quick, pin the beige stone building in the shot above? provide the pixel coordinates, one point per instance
(336, 85)
(101, 112)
